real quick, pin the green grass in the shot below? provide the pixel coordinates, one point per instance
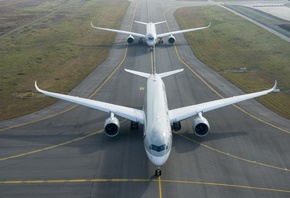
(58, 51)
(232, 43)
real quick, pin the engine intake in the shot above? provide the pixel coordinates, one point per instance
(130, 39)
(171, 39)
(112, 126)
(200, 126)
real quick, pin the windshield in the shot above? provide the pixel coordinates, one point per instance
(158, 148)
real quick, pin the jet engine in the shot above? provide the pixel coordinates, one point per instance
(130, 39)
(171, 39)
(200, 126)
(112, 126)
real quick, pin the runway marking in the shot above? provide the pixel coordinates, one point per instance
(160, 186)
(50, 147)
(233, 156)
(159, 180)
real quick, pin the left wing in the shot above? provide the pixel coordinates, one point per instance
(179, 114)
(181, 31)
(119, 31)
(132, 114)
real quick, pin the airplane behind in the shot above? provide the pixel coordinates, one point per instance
(151, 37)
(157, 120)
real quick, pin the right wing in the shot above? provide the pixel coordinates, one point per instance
(179, 114)
(132, 114)
(119, 31)
(181, 31)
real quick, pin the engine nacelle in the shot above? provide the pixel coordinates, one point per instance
(171, 39)
(112, 126)
(200, 126)
(130, 39)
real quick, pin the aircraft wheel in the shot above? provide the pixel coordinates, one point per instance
(157, 172)
(134, 125)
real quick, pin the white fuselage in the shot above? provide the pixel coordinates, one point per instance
(151, 35)
(157, 128)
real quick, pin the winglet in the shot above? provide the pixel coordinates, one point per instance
(36, 87)
(275, 86)
(93, 25)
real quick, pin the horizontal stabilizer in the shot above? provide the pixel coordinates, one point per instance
(165, 74)
(142, 74)
(144, 23)
(140, 22)
(146, 75)
(157, 23)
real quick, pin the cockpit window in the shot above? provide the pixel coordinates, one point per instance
(158, 148)
(150, 37)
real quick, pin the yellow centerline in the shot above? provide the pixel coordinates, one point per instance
(160, 186)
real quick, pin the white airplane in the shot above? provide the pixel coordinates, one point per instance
(151, 37)
(157, 119)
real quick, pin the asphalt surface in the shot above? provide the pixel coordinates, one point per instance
(62, 151)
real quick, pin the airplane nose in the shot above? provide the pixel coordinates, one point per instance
(150, 44)
(158, 160)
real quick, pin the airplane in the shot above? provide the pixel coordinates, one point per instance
(157, 120)
(151, 37)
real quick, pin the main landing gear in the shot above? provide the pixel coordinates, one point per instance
(158, 172)
(134, 125)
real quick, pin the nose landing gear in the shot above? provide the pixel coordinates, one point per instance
(158, 172)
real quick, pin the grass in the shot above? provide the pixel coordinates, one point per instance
(232, 43)
(57, 51)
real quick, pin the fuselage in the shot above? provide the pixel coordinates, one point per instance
(151, 35)
(157, 128)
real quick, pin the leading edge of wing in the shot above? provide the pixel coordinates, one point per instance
(132, 114)
(179, 114)
(181, 31)
(119, 31)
